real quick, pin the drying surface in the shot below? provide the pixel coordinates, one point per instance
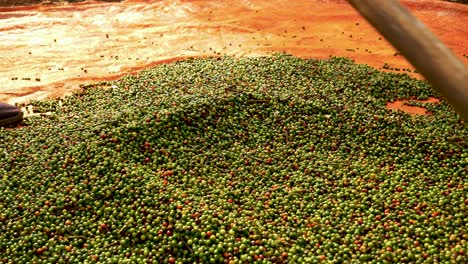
(51, 50)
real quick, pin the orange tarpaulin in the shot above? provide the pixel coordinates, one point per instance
(50, 50)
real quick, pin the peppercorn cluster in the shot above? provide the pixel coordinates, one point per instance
(272, 159)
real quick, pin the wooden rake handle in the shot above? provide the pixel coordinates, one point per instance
(422, 49)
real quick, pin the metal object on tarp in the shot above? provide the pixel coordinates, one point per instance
(437, 63)
(9, 114)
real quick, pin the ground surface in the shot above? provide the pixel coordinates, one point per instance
(50, 50)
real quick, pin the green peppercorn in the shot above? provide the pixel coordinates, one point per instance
(267, 159)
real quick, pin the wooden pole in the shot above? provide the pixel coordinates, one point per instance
(423, 49)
